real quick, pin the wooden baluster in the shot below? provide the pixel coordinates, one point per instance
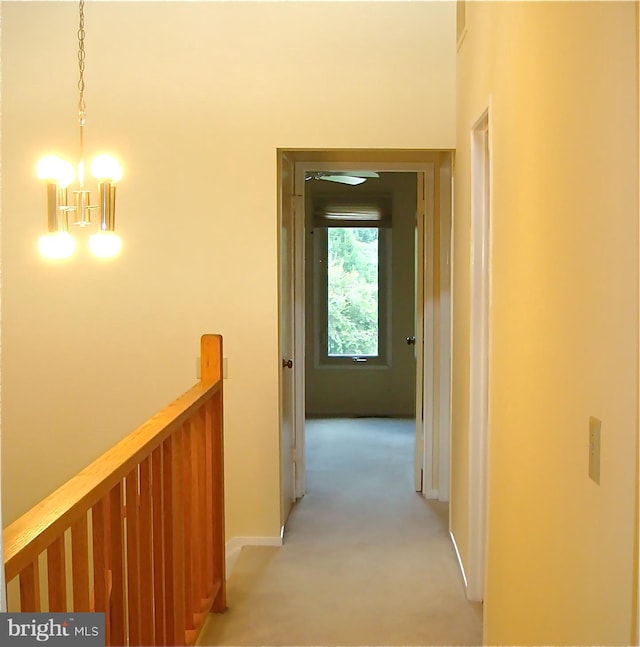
(57, 577)
(174, 538)
(101, 593)
(220, 602)
(30, 588)
(146, 555)
(133, 557)
(208, 488)
(211, 365)
(197, 485)
(116, 536)
(187, 507)
(80, 565)
(157, 495)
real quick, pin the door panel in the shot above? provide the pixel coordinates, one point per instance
(444, 341)
(427, 439)
(287, 399)
(430, 455)
(419, 328)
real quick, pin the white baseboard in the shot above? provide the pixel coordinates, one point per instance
(430, 494)
(455, 546)
(236, 544)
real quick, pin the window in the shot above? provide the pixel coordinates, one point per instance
(353, 310)
(352, 242)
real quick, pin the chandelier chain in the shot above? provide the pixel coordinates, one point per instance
(82, 106)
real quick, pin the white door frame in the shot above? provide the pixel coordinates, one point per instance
(286, 329)
(436, 328)
(425, 333)
(479, 352)
(444, 332)
(305, 162)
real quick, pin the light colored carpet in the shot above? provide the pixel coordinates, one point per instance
(366, 560)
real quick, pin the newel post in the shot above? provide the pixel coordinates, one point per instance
(211, 371)
(210, 358)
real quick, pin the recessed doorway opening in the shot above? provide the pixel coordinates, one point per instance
(424, 336)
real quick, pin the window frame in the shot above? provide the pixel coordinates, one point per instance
(322, 224)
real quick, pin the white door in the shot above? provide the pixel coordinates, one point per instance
(443, 338)
(426, 448)
(418, 339)
(287, 326)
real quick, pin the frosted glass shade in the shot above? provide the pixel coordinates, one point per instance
(106, 167)
(56, 245)
(105, 244)
(55, 169)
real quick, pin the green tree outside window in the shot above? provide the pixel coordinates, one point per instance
(352, 289)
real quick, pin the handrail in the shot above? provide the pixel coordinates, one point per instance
(150, 508)
(38, 527)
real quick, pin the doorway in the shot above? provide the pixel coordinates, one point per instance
(360, 296)
(429, 175)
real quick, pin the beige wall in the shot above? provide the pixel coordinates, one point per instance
(561, 78)
(195, 98)
(368, 390)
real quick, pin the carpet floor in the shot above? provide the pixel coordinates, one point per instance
(365, 560)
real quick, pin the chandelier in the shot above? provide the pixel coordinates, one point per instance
(60, 174)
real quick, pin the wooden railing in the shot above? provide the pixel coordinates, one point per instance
(139, 533)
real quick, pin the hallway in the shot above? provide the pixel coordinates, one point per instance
(366, 561)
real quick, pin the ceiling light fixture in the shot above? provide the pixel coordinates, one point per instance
(59, 175)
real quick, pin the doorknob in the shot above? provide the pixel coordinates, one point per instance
(411, 341)
(287, 363)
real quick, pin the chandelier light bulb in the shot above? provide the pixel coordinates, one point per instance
(56, 245)
(106, 168)
(53, 168)
(105, 244)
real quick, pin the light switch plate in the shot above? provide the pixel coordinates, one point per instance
(595, 427)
